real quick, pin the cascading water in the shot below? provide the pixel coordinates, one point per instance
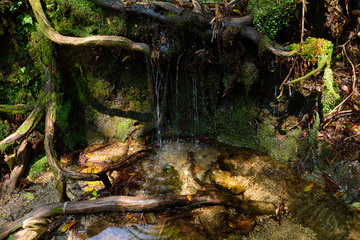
(195, 102)
(176, 117)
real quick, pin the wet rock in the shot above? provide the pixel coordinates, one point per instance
(224, 180)
(213, 218)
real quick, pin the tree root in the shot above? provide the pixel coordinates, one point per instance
(28, 125)
(9, 184)
(113, 41)
(139, 204)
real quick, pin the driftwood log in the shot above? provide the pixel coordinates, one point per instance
(136, 204)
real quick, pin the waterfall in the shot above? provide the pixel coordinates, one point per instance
(195, 103)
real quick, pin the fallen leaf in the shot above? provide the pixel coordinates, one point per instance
(309, 187)
(28, 195)
(72, 223)
(88, 170)
(108, 20)
(64, 228)
(338, 194)
(237, 11)
(356, 204)
(189, 197)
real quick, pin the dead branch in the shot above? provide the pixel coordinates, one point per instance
(139, 204)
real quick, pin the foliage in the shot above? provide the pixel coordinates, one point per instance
(20, 79)
(83, 18)
(270, 16)
(4, 129)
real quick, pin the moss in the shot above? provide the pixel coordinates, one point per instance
(249, 75)
(270, 16)
(330, 97)
(37, 166)
(283, 148)
(172, 179)
(238, 126)
(83, 18)
(124, 127)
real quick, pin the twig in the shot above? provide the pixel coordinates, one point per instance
(303, 22)
(340, 104)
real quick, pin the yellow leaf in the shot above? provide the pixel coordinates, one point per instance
(126, 192)
(102, 158)
(88, 154)
(72, 223)
(108, 20)
(64, 228)
(189, 197)
(131, 174)
(95, 170)
(90, 183)
(237, 11)
(338, 194)
(88, 170)
(309, 187)
(231, 225)
(88, 189)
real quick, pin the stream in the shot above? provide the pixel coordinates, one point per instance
(187, 166)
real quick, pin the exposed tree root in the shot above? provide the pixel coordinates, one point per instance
(10, 184)
(28, 125)
(136, 204)
(110, 41)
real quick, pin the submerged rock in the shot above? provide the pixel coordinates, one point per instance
(225, 180)
(213, 218)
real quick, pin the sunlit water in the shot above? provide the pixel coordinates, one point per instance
(170, 171)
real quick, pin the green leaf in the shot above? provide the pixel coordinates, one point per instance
(28, 195)
(356, 204)
(27, 20)
(22, 69)
(308, 188)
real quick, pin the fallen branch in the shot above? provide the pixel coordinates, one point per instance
(139, 204)
(16, 109)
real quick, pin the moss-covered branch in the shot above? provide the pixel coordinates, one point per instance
(28, 125)
(16, 109)
(86, 41)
